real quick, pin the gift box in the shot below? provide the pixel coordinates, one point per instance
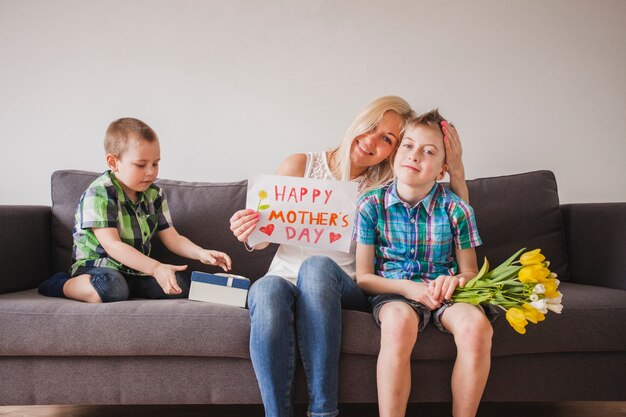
(219, 288)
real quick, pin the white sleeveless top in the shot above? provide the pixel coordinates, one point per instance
(288, 258)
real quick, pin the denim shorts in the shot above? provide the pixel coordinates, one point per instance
(424, 313)
(113, 285)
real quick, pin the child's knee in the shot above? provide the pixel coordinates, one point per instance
(110, 285)
(93, 297)
(399, 324)
(475, 333)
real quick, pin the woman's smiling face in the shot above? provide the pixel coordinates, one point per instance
(376, 145)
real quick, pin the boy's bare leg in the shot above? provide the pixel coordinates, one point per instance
(80, 288)
(399, 324)
(472, 335)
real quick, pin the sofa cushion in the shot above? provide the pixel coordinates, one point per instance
(33, 325)
(517, 211)
(591, 321)
(200, 211)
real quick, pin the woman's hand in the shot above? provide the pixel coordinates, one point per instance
(243, 222)
(454, 151)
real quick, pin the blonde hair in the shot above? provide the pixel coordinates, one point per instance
(122, 132)
(367, 120)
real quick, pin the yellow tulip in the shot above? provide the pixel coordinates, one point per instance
(516, 318)
(533, 273)
(532, 314)
(532, 257)
(262, 194)
(551, 286)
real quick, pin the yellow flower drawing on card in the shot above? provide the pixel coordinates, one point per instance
(262, 196)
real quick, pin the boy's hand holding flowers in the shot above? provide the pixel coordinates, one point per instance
(420, 292)
(444, 286)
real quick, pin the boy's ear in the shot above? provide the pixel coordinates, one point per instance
(112, 162)
(442, 174)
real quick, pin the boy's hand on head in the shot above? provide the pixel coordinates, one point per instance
(418, 291)
(216, 258)
(443, 287)
(166, 277)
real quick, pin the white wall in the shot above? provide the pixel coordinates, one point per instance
(233, 87)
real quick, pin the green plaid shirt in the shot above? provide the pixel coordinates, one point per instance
(103, 205)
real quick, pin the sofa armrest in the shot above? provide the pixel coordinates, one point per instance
(595, 235)
(25, 247)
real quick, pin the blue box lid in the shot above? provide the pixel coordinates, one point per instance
(221, 279)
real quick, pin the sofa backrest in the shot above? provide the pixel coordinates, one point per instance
(519, 211)
(512, 212)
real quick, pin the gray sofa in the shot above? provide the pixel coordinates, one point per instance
(57, 351)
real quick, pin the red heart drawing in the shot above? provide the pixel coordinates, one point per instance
(334, 237)
(268, 230)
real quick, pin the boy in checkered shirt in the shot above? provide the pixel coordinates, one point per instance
(405, 234)
(116, 217)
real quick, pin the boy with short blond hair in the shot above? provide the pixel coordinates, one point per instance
(405, 235)
(115, 220)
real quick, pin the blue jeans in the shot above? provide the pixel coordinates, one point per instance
(112, 285)
(308, 316)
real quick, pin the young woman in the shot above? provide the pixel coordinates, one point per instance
(299, 301)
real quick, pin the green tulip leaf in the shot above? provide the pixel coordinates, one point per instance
(480, 274)
(508, 261)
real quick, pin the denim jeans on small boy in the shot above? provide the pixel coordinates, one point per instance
(308, 316)
(112, 285)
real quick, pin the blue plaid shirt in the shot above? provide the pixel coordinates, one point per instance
(415, 242)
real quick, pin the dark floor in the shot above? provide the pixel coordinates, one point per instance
(563, 409)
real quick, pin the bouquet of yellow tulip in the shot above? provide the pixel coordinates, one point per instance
(525, 289)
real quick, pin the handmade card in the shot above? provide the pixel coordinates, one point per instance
(302, 211)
